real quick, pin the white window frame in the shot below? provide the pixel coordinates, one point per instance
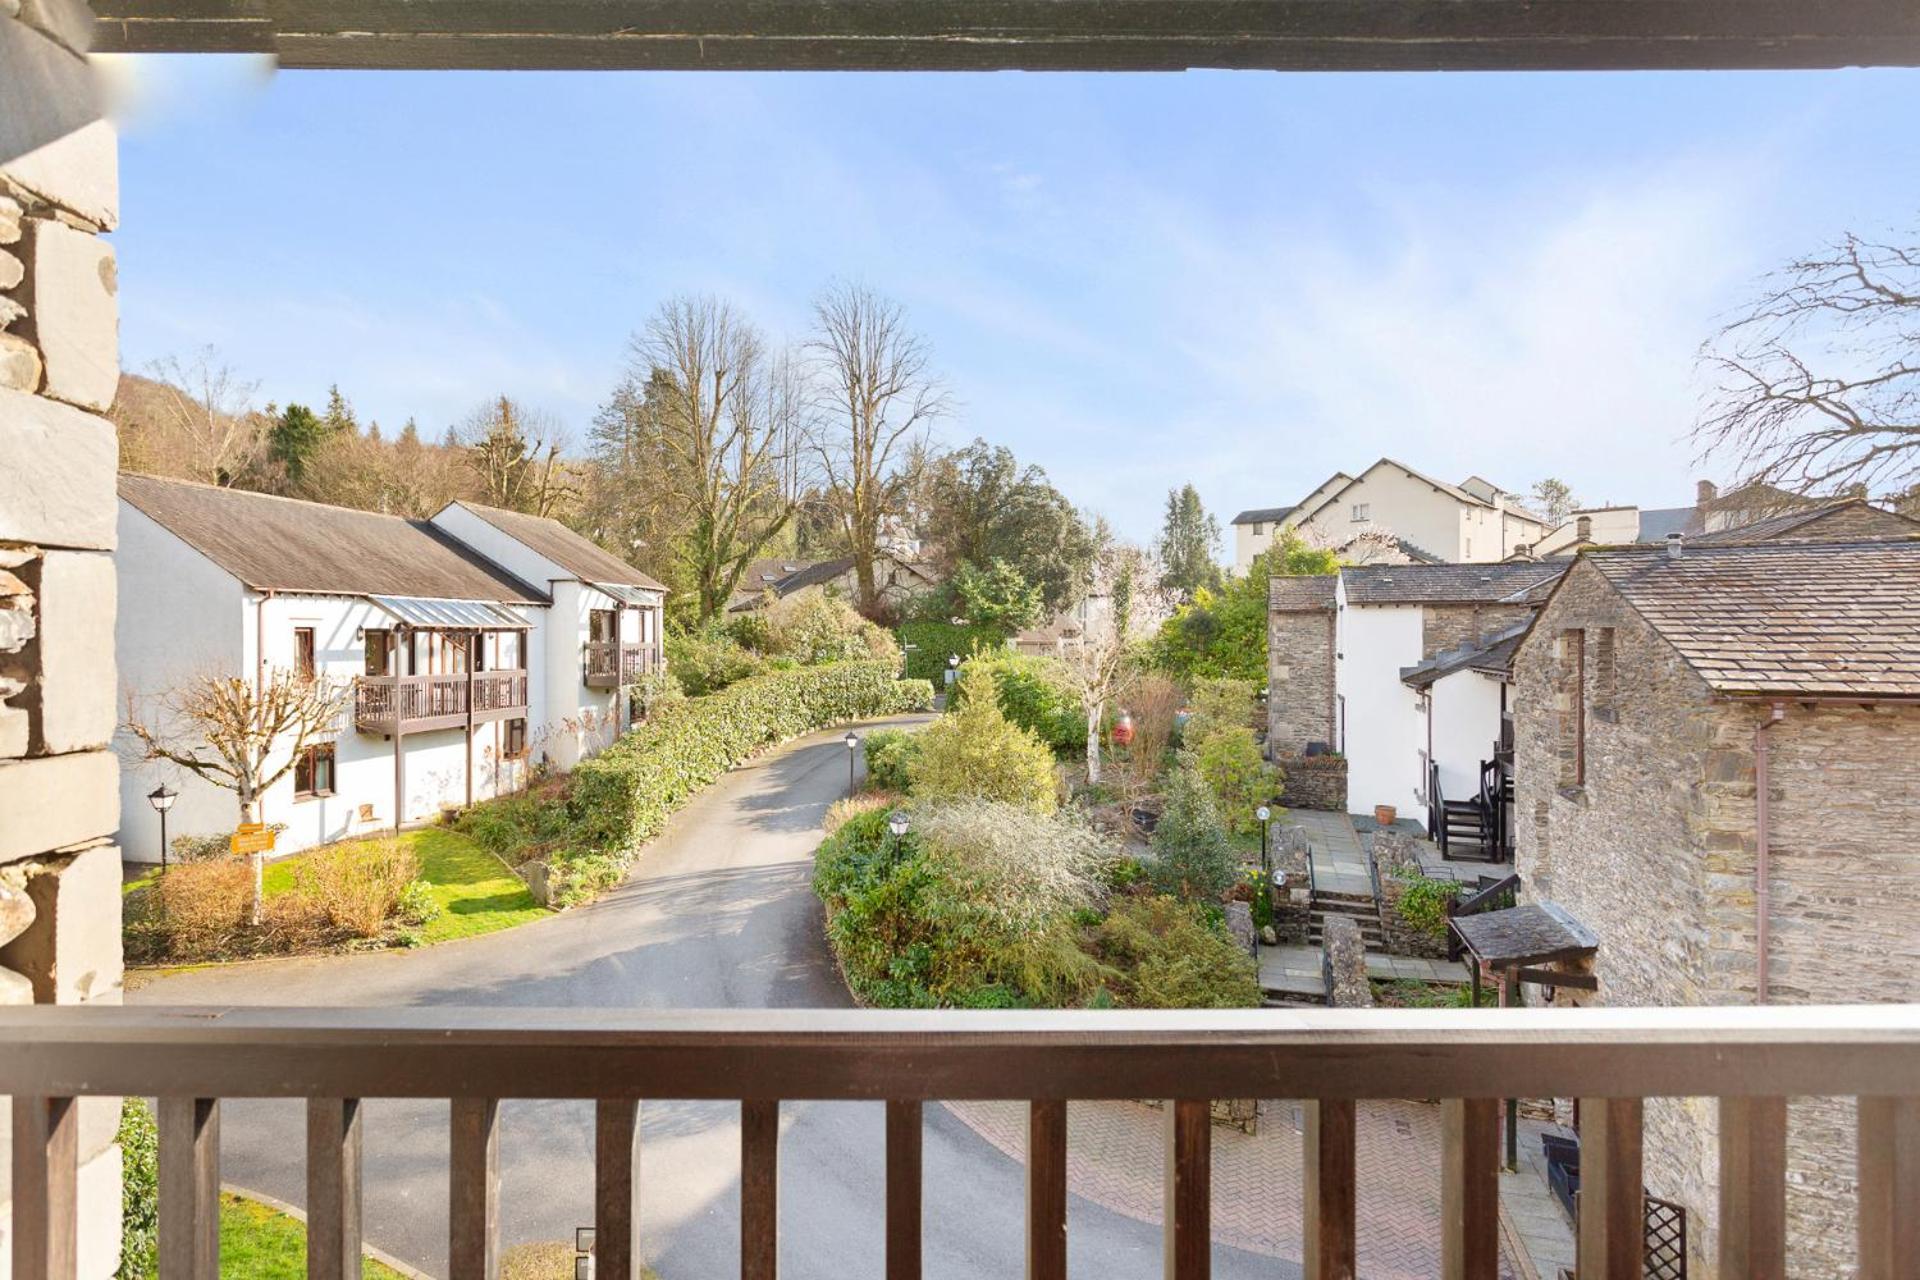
(1362, 512)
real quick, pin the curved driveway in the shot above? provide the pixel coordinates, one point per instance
(717, 914)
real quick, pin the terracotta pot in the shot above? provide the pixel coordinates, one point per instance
(1123, 730)
(1384, 814)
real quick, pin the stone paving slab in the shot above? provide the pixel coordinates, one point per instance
(1115, 1157)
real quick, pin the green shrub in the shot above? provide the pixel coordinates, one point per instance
(707, 659)
(933, 642)
(139, 1140)
(621, 798)
(1424, 902)
(1168, 954)
(1035, 694)
(890, 757)
(1192, 856)
(1221, 702)
(1229, 759)
(976, 751)
(814, 627)
(997, 595)
(652, 691)
(521, 827)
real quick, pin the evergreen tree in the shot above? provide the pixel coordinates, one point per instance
(1189, 541)
(294, 439)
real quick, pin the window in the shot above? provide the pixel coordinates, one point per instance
(303, 652)
(1362, 511)
(603, 626)
(516, 743)
(1259, 529)
(1573, 708)
(379, 644)
(313, 772)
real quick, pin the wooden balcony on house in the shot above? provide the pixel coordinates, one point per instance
(607, 665)
(1749, 1059)
(414, 704)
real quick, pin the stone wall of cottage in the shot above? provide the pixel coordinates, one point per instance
(1449, 626)
(1300, 687)
(1610, 824)
(1854, 522)
(1644, 828)
(59, 369)
(1313, 782)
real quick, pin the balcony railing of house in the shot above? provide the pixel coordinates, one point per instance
(1750, 1059)
(411, 704)
(609, 666)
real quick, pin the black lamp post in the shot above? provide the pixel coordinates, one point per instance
(1266, 863)
(162, 798)
(897, 824)
(853, 754)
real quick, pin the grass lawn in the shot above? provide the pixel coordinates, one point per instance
(477, 893)
(265, 1244)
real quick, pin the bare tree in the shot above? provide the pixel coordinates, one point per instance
(719, 412)
(1818, 381)
(877, 397)
(236, 734)
(204, 417)
(1125, 602)
(516, 457)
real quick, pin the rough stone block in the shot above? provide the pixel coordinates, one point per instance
(47, 93)
(14, 731)
(53, 802)
(12, 270)
(19, 364)
(72, 952)
(78, 687)
(10, 311)
(68, 21)
(73, 313)
(10, 215)
(65, 498)
(79, 171)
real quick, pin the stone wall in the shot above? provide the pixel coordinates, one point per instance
(1393, 861)
(1293, 896)
(1654, 849)
(1449, 626)
(1313, 782)
(1343, 954)
(59, 369)
(1300, 686)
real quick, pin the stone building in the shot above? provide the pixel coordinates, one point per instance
(59, 367)
(1718, 772)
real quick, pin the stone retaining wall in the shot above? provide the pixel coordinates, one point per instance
(1293, 897)
(59, 370)
(1344, 954)
(1393, 860)
(1313, 782)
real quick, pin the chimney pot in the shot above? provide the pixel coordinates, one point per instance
(1676, 545)
(1705, 491)
(1583, 528)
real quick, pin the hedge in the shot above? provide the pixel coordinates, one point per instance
(621, 798)
(933, 642)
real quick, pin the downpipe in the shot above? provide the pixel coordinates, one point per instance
(1762, 869)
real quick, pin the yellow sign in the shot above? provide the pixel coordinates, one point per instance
(252, 837)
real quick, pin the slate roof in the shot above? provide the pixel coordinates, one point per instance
(1264, 515)
(284, 544)
(1495, 656)
(1445, 583)
(1531, 933)
(1301, 594)
(1788, 618)
(1804, 525)
(1657, 522)
(578, 555)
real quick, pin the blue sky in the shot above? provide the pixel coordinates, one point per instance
(1244, 280)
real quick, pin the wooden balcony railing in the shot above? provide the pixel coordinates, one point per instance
(606, 665)
(410, 704)
(1750, 1059)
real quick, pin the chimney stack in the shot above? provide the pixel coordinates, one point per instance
(1583, 528)
(1705, 491)
(1676, 543)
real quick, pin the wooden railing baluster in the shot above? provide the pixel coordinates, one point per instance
(1188, 1221)
(616, 1189)
(759, 1188)
(1047, 1189)
(473, 1199)
(1753, 1188)
(904, 1184)
(46, 1176)
(1329, 1214)
(1470, 1188)
(189, 1191)
(333, 1189)
(1612, 1238)
(1889, 1154)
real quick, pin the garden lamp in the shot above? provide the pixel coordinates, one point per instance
(898, 823)
(853, 755)
(162, 798)
(1266, 864)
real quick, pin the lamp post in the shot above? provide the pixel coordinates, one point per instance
(853, 755)
(897, 824)
(1266, 863)
(162, 798)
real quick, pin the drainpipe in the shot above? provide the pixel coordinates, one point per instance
(1761, 886)
(260, 644)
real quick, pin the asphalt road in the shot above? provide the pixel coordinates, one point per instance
(717, 914)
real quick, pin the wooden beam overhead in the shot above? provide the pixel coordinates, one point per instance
(1032, 35)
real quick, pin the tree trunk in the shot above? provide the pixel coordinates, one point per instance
(1093, 746)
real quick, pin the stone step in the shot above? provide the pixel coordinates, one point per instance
(1332, 898)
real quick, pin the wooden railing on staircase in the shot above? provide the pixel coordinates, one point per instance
(1751, 1059)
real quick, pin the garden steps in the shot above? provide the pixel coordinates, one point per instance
(1359, 907)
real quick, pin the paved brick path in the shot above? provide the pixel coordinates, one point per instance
(1114, 1160)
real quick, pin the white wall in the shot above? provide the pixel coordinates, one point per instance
(1400, 505)
(1465, 711)
(1385, 728)
(1247, 544)
(179, 615)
